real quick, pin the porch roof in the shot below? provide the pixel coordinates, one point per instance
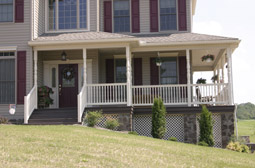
(84, 37)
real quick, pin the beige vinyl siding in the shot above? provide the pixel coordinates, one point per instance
(19, 114)
(145, 17)
(18, 34)
(93, 15)
(39, 17)
(72, 55)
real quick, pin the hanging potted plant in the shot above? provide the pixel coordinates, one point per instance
(214, 78)
(207, 58)
(44, 99)
(201, 81)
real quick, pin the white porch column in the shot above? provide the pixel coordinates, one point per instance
(129, 76)
(230, 77)
(35, 75)
(222, 66)
(188, 76)
(85, 71)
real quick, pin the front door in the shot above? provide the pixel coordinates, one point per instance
(68, 85)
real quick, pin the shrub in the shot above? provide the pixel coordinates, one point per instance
(158, 119)
(111, 124)
(92, 118)
(132, 133)
(4, 120)
(173, 139)
(238, 147)
(202, 143)
(206, 126)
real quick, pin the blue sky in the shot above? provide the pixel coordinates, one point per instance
(232, 18)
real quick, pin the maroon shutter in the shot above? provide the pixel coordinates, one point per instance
(108, 16)
(154, 72)
(154, 15)
(21, 76)
(19, 11)
(182, 15)
(182, 70)
(138, 76)
(109, 70)
(135, 16)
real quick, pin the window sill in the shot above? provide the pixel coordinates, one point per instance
(67, 31)
(5, 23)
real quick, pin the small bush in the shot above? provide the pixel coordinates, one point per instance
(132, 133)
(158, 119)
(173, 139)
(238, 147)
(202, 143)
(206, 126)
(111, 124)
(92, 118)
(4, 120)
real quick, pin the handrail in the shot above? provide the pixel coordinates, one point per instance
(30, 104)
(81, 103)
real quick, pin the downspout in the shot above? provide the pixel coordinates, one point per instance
(236, 121)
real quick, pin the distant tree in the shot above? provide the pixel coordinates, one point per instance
(206, 126)
(246, 111)
(158, 119)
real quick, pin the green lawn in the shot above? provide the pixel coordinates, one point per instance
(247, 127)
(76, 146)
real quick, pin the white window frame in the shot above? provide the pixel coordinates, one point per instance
(57, 20)
(11, 49)
(130, 15)
(13, 12)
(177, 18)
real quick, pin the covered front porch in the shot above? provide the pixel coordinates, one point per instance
(132, 74)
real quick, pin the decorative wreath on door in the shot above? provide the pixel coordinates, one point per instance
(68, 73)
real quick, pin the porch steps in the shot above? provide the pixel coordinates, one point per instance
(65, 116)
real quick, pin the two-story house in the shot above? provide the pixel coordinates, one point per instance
(114, 55)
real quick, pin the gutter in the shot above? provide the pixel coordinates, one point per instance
(121, 40)
(237, 41)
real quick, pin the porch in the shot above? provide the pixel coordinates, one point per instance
(130, 74)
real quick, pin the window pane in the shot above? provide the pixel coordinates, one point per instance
(6, 10)
(52, 14)
(121, 16)
(83, 13)
(7, 81)
(53, 73)
(168, 71)
(67, 14)
(121, 71)
(168, 18)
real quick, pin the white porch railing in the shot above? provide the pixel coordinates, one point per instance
(81, 103)
(210, 94)
(106, 94)
(170, 94)
(30, 103)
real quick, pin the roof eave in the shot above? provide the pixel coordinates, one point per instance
(232, 41)
(46, 42)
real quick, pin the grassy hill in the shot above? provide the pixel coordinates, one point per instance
(76, 146)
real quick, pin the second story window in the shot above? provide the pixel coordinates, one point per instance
(67, 14)
(168, 17)
(121, 16)
(6, 10)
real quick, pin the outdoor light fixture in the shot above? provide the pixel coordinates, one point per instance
(158, 61)
(63, 56)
